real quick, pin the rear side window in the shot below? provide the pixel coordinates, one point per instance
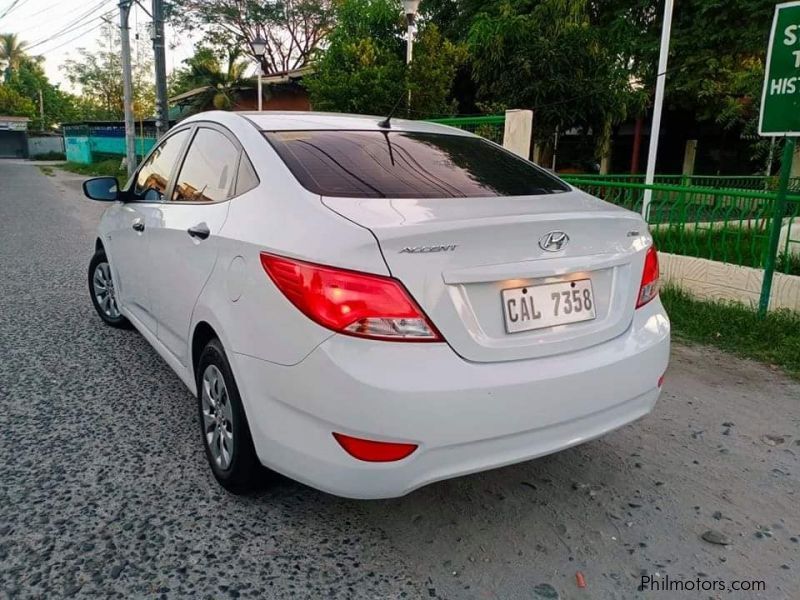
(389, 164)
(247, 179)
(209, 169)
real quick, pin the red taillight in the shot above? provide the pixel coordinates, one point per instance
(372, 451)
(649, 288)
(360, 304)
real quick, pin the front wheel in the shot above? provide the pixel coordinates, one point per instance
(226, 434)
(103, 291)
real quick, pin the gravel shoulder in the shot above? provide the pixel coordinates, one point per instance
(105, 491)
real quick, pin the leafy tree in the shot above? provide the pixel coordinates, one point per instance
(14, 104)
(222, 76)
(363, 68)
(432, 72)
(28, 80)
(12, 51)
(545, 55)
(98, 74)
(292, 29)
(717, 56)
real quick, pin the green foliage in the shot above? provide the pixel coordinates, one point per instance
(363, 68)
(737, 329)
(29, 79)
(97, 73)
(221, 73)
(13, 104)
(12, 51)
(716, 48)
(432, 71)
(547, 56)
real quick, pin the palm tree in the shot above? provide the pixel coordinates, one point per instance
(12, 52)
(222, 82)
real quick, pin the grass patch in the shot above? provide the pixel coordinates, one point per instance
(108, 167)
(47, 170)
(737, 329)
(739, 246)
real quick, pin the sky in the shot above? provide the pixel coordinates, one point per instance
(57, 29)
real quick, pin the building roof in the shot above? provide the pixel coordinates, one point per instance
(190, 94)
(287, 76)
(282, 77)
(14, 119)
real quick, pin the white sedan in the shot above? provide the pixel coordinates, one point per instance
(370, 306)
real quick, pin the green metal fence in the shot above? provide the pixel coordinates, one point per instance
(728, 182)
(727, 225)
(490, 127)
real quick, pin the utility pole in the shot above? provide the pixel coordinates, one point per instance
(162, 103)
(41, 109)
(127, 85)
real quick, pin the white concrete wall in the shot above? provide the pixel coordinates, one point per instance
(518, 132)
(711, 280)
(44, 144)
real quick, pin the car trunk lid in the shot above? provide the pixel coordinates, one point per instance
(457, 255)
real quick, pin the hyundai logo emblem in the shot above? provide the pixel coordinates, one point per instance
(553, 241)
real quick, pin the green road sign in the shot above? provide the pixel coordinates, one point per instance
(780, 98)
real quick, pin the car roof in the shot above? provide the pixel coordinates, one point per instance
(273, 120)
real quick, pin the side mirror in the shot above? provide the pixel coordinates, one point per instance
(105, 189)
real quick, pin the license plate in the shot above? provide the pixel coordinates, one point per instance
(547, 305)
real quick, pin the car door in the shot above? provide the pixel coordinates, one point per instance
(129, 235)
(184, 246)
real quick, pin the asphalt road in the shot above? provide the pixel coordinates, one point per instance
(104, 489)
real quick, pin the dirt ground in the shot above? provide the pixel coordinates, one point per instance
(720, 453)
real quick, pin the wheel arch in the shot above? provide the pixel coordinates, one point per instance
(202, 334)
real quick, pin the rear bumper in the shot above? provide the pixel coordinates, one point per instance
(465, 417)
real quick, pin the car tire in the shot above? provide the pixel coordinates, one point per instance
(223, 424)
(103, 293)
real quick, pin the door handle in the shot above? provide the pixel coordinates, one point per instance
(199, 231)
(138, 225)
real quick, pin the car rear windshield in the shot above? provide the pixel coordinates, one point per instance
(397, 164)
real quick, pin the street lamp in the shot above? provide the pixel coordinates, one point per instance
(259, 47)
(410, 7)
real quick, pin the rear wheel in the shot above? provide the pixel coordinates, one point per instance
(226, 434)
(103, 291)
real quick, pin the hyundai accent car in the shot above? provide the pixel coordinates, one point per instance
(369, 305)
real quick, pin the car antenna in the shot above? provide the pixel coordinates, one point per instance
(386, 123)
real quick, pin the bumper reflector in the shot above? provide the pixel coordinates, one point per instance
(372, 451)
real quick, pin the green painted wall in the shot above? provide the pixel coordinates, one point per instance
(81, 149)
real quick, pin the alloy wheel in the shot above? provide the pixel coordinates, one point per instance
(104, 292)
(217, 417)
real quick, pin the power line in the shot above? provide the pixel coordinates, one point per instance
(80, 35)
(13, 6)
(71, 25)
(36, 25)
(76, 23)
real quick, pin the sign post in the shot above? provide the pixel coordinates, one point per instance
(780, 116)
